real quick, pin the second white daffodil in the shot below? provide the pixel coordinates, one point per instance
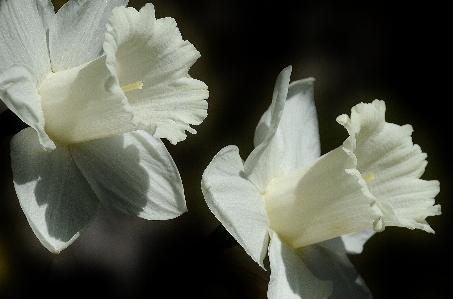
(316, 209)
(99, 84)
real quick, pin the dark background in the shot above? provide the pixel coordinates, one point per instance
(394, 51)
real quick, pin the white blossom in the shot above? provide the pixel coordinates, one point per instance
(309, 211)
(99, 84)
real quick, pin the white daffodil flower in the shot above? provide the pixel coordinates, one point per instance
(98, 84)
(316, 209)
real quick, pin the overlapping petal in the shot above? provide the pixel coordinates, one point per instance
(23, 35)
(54, 195)
(290, 277)
(151, 54)
(264, 162)
(132, 173)
(18, 91)
(77, 35)
(298, 127)
(328, 261)
(236, 202)
(353, 242)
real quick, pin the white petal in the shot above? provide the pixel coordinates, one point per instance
(236, 202)
(79, 31)
(298, 127)
(264, 163)
(23, 35)
(290, 277)
(54, 195)
(134, 174)
(19, 93)
(320, 201)
(391, 165)
(353, 242)
(142, 49)
(328, 260)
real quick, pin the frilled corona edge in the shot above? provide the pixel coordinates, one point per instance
(391, 167)
(149, 62)
(141, 82)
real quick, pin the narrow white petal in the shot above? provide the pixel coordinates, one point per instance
(54, 195)
(79, 31)
(23, 35)
(328, 260)
(392, 166)
(290, 277)
(264, 163)
(298, 127)
(18, 91)
(236, 202)
(353, 242)
(151, 54)
(319, 201)
(132, 173)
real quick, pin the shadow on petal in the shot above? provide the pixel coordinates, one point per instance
(54, 195)
(328, 260)
(132, 173)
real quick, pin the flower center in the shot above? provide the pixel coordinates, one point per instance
(319, 201)
(86, 103)
(133, 86)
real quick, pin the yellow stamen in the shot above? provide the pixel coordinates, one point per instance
(368, 177)
(129, 87)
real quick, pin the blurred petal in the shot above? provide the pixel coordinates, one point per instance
(3, 107)
(391, 165)
(264, 163)
(151, 55)
(79, 32)
(328, 260)
(54, 195)
(353, 242)
(19, 93)
(132, 173)
(236, 202)
(290, 277)
(298, 127)
(23, 35)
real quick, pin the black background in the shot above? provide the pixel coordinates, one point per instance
(394, 51)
